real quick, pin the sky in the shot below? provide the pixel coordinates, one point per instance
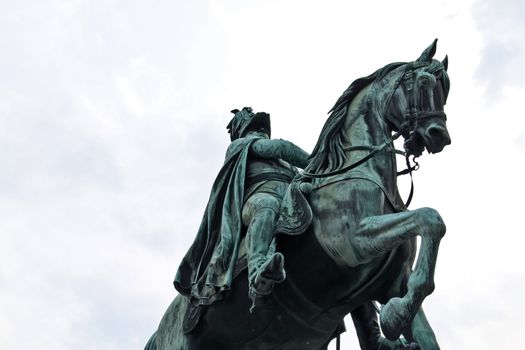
(113, 117)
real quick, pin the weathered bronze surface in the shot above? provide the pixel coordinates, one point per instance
(359, 243)
(244, 202)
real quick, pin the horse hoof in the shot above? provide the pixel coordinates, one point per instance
(392, 322)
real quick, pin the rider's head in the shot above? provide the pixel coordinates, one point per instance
(245, 122)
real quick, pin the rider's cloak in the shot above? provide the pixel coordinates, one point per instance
(207, 269)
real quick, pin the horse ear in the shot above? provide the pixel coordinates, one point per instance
(429, 52)
(445, 62)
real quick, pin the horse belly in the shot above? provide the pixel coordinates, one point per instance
(285, 333)
(228, 325)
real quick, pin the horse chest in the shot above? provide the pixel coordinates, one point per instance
(338, 210)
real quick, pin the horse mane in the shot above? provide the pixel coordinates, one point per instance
(328, 153)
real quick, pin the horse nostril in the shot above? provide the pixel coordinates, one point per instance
(438, 137)
(439, 133)
(434, 132)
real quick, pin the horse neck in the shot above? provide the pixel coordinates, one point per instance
(365, 127)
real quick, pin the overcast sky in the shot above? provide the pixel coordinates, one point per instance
(113, 118)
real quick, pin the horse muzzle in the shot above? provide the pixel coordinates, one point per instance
(435, 137)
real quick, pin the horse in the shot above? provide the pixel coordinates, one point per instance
(361, 245)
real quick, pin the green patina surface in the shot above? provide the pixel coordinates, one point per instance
(292, 292)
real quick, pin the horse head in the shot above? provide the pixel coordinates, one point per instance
(415, 107)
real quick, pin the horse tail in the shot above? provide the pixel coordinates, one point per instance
(152, 342)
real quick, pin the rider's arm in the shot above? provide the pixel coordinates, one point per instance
(280, 149)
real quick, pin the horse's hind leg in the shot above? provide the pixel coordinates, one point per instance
(367, 328)
(378, 234)
(421, 332)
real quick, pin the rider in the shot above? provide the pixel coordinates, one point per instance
(245, 199)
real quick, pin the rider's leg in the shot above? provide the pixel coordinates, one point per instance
(264, 265)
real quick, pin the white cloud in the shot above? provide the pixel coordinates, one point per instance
(113, 127)
(503, 29)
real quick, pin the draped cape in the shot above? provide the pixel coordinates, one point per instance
(207, 269)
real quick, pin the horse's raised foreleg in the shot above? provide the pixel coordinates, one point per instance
(378, 234)
(399, 311)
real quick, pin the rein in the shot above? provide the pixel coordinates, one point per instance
(374, 151)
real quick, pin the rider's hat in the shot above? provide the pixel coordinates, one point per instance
(245, 120)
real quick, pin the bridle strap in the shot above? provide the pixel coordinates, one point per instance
(413, 117)
(372, 148)
(409, 170)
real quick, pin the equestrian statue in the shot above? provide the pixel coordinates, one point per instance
(282, 255)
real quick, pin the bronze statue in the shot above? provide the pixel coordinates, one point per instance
(246, 194)
(359, 243)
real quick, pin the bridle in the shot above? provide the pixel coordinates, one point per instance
(414, 114)
(412, 118)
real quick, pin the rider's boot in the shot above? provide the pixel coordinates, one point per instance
(271, 272)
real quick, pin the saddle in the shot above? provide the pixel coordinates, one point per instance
(295, 216)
